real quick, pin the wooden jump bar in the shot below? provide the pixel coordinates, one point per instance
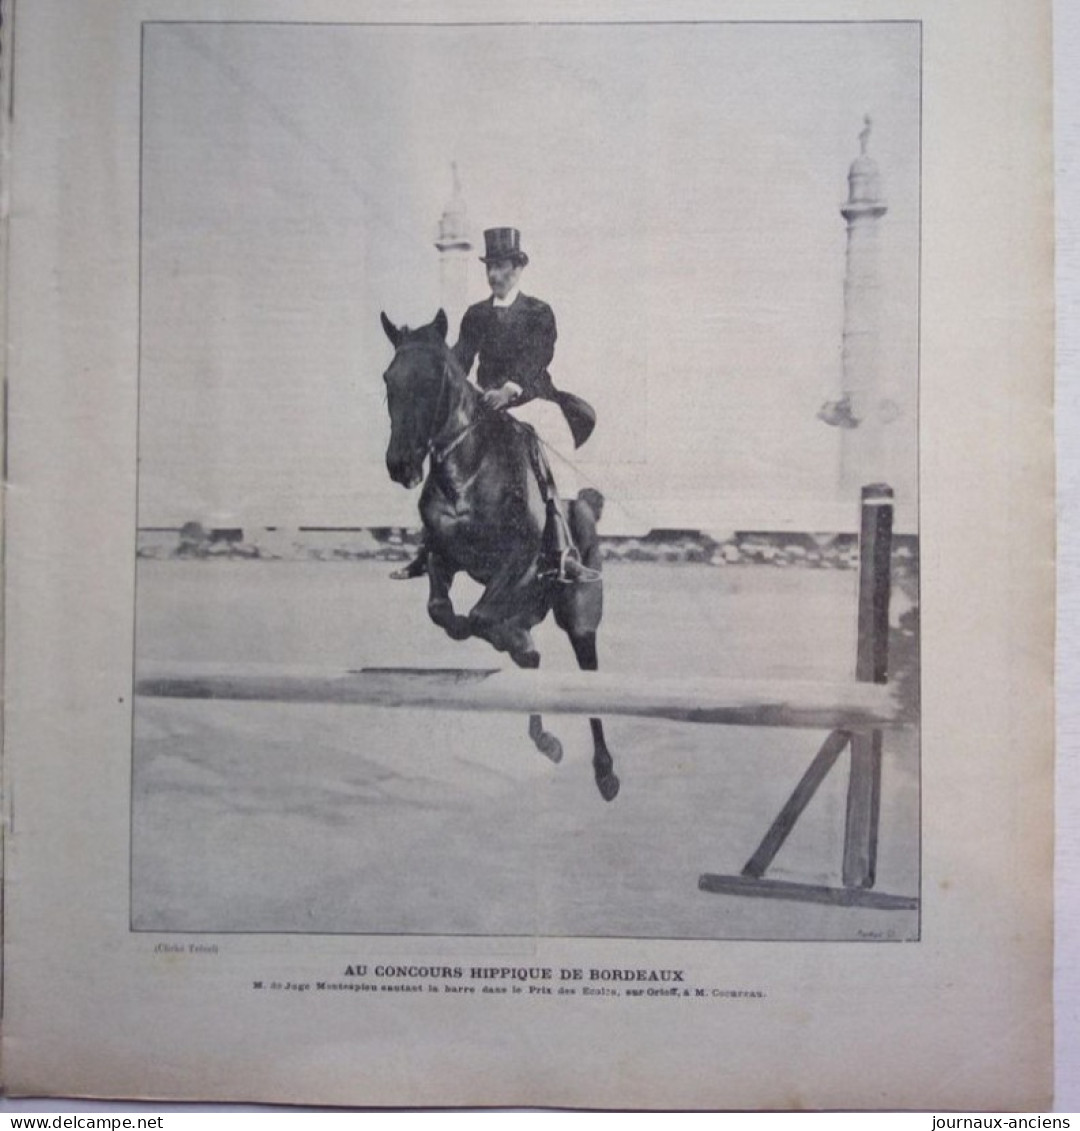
(776, 703)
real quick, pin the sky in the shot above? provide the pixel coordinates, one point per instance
(678, 189)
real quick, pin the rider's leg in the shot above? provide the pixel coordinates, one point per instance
(561, 558)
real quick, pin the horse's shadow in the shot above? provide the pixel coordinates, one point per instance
(484, 513)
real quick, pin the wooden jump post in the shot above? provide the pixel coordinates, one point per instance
(865, 739)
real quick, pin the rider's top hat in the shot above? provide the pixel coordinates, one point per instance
(503, 243)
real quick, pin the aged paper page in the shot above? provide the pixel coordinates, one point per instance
(771, 824)
(1067, 847)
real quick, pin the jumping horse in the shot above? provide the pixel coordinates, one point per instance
(483, 512)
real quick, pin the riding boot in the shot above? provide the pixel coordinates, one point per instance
(416, 568)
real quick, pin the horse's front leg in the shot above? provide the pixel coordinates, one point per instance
(440, 607)
(584, 644)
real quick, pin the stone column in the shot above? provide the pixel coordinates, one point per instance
(862, 411)
(454, 245)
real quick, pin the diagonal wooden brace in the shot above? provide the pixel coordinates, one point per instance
(802, 795)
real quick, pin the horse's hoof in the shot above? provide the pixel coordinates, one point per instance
(544, 740)
(549, 746)
(530, 659)
(459, 628)
(608, 786)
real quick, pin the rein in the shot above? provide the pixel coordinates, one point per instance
(438, 456)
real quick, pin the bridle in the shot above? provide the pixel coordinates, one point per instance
(439, 453)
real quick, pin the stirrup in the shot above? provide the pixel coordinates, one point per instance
(571, 569)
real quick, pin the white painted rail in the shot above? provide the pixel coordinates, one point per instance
(756, 703)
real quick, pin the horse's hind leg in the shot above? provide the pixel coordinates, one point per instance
(603, 764)
(544, 740)
(578, 610)
(584, 644)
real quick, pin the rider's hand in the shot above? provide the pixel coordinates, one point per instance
(498, 398)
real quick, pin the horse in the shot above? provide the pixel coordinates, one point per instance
(483, 513)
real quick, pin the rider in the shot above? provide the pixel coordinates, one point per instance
(514, 335)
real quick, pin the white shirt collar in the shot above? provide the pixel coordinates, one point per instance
(510, 299)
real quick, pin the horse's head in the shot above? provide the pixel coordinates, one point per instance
(415, 387)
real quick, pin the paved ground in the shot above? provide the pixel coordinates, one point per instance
(279, 817)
